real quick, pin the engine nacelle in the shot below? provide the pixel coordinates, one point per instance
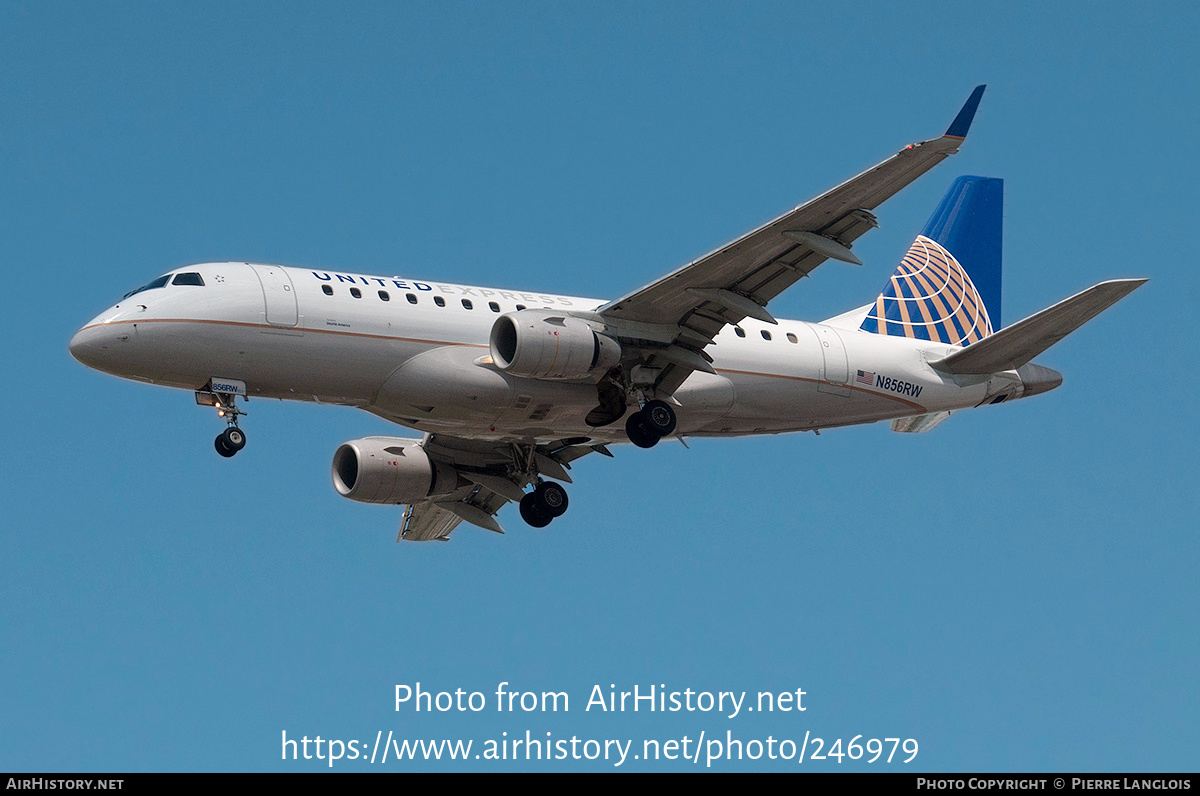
(389, 470)
(542, 344)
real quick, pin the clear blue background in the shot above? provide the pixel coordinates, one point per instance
(1016, 590)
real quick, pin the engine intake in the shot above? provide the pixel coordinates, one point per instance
(389, 470)
(541, 344)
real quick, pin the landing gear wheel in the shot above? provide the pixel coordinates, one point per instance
(553, 497)
(230, 441)
(235, 438)
(222, 448)
(639, 431)
(659, 417)
(534, 512)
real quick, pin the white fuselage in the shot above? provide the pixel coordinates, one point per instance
(420, 358)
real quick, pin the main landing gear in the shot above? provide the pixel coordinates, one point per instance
(651, 423)
(547, 501)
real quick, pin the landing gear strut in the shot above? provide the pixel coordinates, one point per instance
(547, 501)
(651, 423)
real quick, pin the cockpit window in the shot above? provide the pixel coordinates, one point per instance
(162, 280)
(188, 279)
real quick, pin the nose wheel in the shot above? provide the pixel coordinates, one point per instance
(230, 441)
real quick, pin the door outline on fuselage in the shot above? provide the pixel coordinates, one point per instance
(835, 372)
(279, 295)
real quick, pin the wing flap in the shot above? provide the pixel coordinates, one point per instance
(427, 522)
(472, 514)
(432, 520)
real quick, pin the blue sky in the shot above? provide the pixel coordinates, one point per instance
(1015, 590)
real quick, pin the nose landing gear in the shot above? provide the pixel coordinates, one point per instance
(232, 439)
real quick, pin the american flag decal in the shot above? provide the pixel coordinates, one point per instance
(866, 377)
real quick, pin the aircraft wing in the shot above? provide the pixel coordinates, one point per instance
(737, 280)
(487, 482)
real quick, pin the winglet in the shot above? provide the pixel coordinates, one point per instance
(962, 122)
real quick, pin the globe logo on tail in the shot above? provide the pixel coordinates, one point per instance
(930, 297)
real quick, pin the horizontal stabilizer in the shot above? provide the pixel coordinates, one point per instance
(918, 424)
(1016, 345)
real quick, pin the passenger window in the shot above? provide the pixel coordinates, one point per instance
(327, 290)
(383, 294)
(792, 338)
(766, 335)
(438, 300)
(739, 331)
(355, 292)
(411, 298)
(188, 279)
(494, 306)
(467, 305)
(520, 307)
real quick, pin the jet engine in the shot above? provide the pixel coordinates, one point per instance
(543, 345)
(389, 470)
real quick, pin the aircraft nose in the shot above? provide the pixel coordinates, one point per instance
(83, 346)
(93, 345)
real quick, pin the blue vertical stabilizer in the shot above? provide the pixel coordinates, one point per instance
(947, 287)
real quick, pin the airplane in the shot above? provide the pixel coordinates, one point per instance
(510, 387)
